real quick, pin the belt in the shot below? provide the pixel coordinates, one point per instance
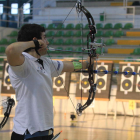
(38, 134)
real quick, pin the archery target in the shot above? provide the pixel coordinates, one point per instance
(101, 78)
(138, 80)
(128, 69)
(127, 80)
(59, 82)
(100, 83)
(126, 84)
(84, 84)
(6, 82)
(101, 68)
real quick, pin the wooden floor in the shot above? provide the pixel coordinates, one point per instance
(89, 127)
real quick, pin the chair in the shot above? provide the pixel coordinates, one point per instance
(13, 34)
(118, 26)
(58, 42)
(99, 25)
(51, 41)
(68, 42)
(3, 41)
(118, 34)
(86, 26)
(128, 26)
(99, 34)
(78, 42)
(99, 40)
(69, 34)
(99, 50)
(86, 33)
(108, 26)
(110, 42)
(129, 59)
(12, 40)
(70, 26)
(68, 50)
(43, 25)
(50, 34)
(60, 26)
(1, 68)
(79, 49)
(78, 26)
(59, 50)
(108, 34)
(2, 49)
(1, 59)
(78, 34)
(51, 26)
(59, 34)
(136, 51)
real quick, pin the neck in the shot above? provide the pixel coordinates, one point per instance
(34, 54)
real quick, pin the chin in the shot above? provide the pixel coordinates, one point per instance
(43, 53)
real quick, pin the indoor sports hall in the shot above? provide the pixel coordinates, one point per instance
(92, 63)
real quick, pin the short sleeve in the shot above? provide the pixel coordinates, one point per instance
(56, 68)
(21, 71)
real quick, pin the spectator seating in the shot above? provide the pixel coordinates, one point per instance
(13, 34)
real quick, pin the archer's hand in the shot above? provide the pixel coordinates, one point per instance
(92, 59)
(42, 45)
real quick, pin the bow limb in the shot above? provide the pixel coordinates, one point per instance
(10, 103)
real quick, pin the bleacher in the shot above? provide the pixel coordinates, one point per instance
(70, 38)
(121, 40)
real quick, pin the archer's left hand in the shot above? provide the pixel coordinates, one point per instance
(92, 59)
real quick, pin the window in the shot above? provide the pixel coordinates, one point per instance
(1, 8)
(26, 8)
(14, 8)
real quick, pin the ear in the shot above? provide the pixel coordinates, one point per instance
(34, 38)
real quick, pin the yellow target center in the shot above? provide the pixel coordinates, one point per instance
(58, 81)
(8, 80)
(100, 83)
(85, 83)
(126, 84)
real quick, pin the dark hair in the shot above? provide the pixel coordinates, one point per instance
(29, 31)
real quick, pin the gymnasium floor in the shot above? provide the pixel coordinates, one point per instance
(89, 127)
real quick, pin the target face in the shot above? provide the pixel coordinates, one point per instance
(85, 83)
(7, 80)
(126, 84)
(128, 69)
(100, 83)
(101, 68)
(59, 81)
(7, 68)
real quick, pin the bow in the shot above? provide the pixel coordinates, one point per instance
(10, 103)
(91, 51)
(91, 48)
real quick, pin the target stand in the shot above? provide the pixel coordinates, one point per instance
(103, 83)
(61, 86)
(128, 86)
(6, 87)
